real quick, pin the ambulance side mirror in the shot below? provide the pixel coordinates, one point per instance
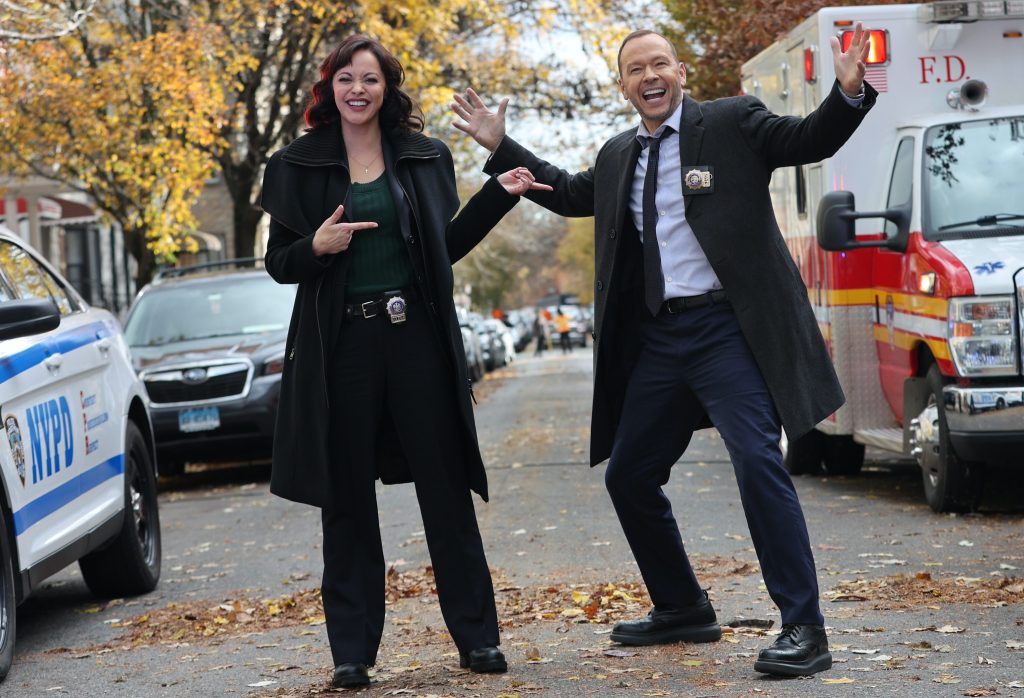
(837, 224)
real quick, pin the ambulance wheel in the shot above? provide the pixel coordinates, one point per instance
(130, 564)
(842, 455)
(802, 456)
(950, 483)
(7, 598)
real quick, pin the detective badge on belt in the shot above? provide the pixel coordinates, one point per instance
(699, 179)
(395, 307)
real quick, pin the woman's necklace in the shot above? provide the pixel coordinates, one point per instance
(366, 167)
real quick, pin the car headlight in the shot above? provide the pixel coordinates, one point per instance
(981, 337)
(273, 366)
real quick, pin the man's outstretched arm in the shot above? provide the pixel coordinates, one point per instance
(573, 194)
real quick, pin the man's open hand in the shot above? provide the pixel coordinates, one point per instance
(850, 63)
(485, 126)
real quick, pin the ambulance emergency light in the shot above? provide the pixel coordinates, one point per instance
(972, 11)
(810, 67)
(878, 53)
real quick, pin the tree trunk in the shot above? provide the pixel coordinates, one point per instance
(246, 218)
(245, 215)
(135, 243)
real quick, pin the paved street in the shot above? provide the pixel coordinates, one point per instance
(917, 603)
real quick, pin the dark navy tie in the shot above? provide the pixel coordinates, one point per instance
(654, 283)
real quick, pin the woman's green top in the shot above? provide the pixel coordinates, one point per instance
(380, 261)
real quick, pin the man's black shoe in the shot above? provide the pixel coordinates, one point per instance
(697, 623)
(484, 660)
(799, 650)
(350, 675)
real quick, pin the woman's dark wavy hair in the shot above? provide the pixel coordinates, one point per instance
(398, 113)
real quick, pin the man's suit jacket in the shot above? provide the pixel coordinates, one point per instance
(743, 143)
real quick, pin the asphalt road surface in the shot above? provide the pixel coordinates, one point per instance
(916, 603)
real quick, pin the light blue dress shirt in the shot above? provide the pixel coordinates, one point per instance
(684, 266)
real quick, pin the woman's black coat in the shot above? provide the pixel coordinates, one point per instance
(302, 186)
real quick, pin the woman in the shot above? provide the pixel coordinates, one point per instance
(375, 382)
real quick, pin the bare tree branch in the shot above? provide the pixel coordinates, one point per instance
(42, 25)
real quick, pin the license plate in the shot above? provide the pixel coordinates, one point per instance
(199, 419)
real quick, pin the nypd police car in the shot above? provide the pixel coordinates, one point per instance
(77, 465)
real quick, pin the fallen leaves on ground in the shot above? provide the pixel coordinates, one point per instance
(198, 621)
(923, 589)
(591, 603)
(601, 603)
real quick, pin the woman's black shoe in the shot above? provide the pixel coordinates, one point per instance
(485, 660)
(350, 675)
(799, 650)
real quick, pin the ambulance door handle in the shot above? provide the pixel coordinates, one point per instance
(53, 362)
(104, 346)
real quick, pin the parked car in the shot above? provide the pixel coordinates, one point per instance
(504, 333)
(492, 346)
(471, 344)
(521, 326)
(474, 355)
(77, 467)
(208, 341)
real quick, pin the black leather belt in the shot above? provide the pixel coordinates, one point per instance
(374, 306)
(673, 306)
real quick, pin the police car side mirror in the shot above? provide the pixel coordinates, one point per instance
(24, 318)
(837, 224)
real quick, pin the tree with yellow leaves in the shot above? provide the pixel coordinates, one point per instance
(142, 103)
(128, 121)
(444, 45)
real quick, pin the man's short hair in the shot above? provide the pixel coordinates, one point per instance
(636, 35)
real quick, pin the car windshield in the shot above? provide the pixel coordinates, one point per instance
(971, 181)
(227, 307)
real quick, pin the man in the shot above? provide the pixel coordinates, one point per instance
(701, 315)
(562, 322)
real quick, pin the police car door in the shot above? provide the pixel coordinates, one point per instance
(56, 418)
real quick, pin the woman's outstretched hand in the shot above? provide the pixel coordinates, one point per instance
(333, 237)
(519, 181)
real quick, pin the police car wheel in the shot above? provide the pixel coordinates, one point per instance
(130, 564)
(951, 484)
(7, 600)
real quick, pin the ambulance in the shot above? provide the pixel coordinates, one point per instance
(77, 464)
(910, 240)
